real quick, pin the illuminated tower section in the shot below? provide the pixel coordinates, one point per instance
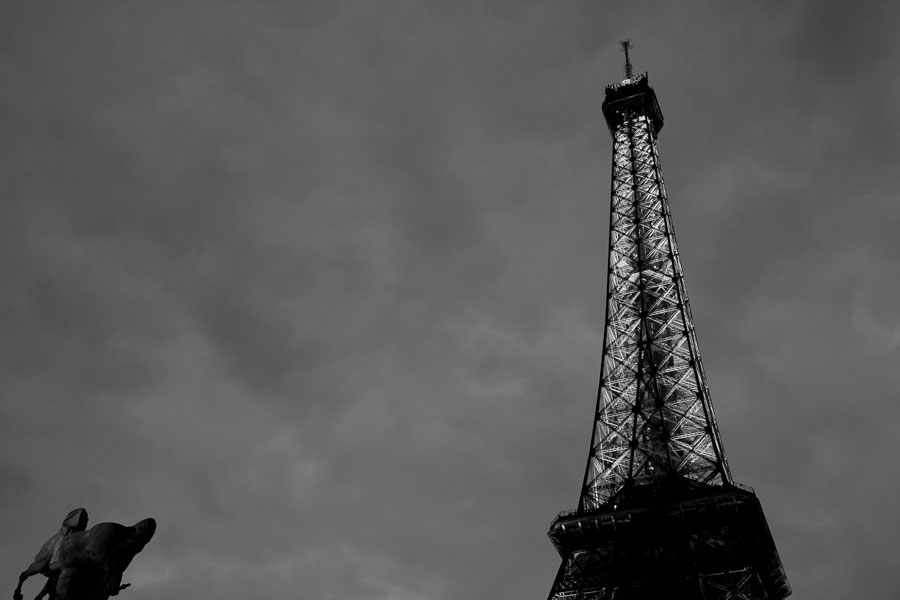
(659, 515)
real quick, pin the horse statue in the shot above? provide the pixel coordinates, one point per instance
(87, 564)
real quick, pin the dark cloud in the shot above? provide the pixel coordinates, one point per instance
(320, 285)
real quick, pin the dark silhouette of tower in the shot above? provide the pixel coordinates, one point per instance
(659, 515)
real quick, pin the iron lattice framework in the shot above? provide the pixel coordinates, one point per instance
(659, 515)
(654, 417)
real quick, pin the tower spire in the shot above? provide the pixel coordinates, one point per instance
(659, 514)
(626, 46)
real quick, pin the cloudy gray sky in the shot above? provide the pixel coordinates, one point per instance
(320, 285)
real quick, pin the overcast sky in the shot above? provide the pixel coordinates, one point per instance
(320, 285)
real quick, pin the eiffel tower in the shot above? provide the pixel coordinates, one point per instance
(660, 516)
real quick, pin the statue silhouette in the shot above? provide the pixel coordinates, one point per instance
(87, 564)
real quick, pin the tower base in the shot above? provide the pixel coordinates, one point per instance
(672, 542)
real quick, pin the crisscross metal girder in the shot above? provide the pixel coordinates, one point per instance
(654, 418)
(583, 575)
(740, 584)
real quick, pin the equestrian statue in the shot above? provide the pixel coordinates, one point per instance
(86, 564)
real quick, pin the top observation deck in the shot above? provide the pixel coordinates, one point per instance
(631, 98)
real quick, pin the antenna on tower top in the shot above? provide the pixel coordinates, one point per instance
(626, 46)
